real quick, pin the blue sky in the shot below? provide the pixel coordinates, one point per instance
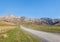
(31, 8)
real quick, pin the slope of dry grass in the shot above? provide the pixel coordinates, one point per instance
(3, 23)
(5, 26)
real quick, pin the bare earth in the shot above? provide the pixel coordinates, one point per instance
(47, 37)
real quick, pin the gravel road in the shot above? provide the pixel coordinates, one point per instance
(44, 36)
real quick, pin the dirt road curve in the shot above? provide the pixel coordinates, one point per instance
(49, 37)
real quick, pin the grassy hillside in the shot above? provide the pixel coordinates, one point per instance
(3, 23)
(17, 35)
(6, 26)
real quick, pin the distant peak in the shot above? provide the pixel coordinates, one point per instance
(10, 15)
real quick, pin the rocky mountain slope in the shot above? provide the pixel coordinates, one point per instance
(40, 21)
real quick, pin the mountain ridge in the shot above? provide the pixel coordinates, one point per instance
(39, 21)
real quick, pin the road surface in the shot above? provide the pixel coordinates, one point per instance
(47, 37)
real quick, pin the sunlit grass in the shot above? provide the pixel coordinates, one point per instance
(18, 35)
(47, 28)
(6, 26)
(3, 23)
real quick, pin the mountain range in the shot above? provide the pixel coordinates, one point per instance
(39, 21)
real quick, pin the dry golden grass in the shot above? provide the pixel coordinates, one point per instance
(3, 23)
(3, 36)
(5, 26)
